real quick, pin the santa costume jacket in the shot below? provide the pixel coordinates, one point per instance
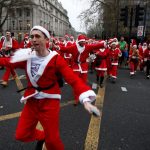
(80, 55)
(45, 82)
(101, 59)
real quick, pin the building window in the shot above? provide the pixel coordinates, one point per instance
(13, 25)
(28, 25)
(20, 24)
(20, 12)
(28, 12)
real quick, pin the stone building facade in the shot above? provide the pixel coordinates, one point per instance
(48, 13)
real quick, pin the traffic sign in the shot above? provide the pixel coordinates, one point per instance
(140, 30)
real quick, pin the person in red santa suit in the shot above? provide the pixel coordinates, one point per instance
(7, 46)
(114, 54)
(42, 95)
(25, 43)
(80, 52)
(134, 58)
(68, 56)
(101, 64)
(147, 61)
(141, 53)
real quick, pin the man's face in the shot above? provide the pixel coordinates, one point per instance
(122, 38)
(81, 43)
(113, 46)
(8, 35)
(38, 40)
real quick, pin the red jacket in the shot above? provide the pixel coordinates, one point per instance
(46, 77)
(147, 54)
(15, 44)
(80, 56)
(114, 55)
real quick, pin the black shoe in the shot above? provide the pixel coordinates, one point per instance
(113, 80)
(39, 145)
(132, 76)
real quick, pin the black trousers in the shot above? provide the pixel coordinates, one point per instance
(147, 67)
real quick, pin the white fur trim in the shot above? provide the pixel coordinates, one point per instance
(88, 94)
(103, 69)
(23, 99)
(42, 95)
(22, 55)
(114, 77)
(115, 64)
(131, 73)
(42, 29)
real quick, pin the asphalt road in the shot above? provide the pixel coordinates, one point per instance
(125, 121)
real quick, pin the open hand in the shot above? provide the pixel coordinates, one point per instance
(91, 109)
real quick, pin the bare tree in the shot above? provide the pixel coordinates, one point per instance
(102, 14)
(5, 8)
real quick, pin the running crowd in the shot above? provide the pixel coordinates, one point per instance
(46, 60)
(102, 59)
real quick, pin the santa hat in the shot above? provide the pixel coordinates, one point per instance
(71, 37)
(113, 41)
(81, 38)
(42, 29)
(66, 36)
(133, 42)
(26, 36)
(134, 46)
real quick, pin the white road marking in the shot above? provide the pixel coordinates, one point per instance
(124, 89)
(1, 107)
(94, 86)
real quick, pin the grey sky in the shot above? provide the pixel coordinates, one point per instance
(74, 8)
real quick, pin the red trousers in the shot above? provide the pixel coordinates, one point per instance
(7, 74)
(83, 76)
(113, 71)
(133, 67)
(46, 111)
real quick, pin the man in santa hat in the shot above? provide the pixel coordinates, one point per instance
(147, 61)
(42, 95)
(80, 52)
(113, 58)
(7, 46)
(25, 43)
(142, 49)
(101, 64)
(134, 59)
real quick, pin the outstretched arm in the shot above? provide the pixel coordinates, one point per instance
(84, 92)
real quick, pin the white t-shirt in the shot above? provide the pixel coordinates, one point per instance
(35, 65)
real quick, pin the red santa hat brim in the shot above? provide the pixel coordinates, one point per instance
(42, 29)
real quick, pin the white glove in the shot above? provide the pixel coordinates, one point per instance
(91, 108)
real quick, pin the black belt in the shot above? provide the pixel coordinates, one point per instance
(39, 89)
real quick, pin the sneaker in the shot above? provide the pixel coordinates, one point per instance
(147, 77)
(4, 83)
(40, 145)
